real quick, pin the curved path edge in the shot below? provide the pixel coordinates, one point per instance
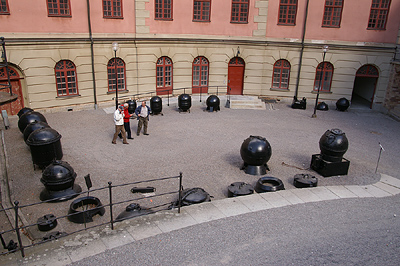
(78, 246)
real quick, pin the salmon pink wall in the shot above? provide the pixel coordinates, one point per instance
(33, 18)
(353, 26)
(219, 24)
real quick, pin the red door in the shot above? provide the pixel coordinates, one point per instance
(235, 76)
(12, 107)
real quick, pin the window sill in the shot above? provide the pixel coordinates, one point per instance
(278, 89)
(321, 92)
(289, 24)
(67, 96)
(113, 17)
(164, 19)
(201, 20)
(239, 22)
(113, 92)
(60, 16)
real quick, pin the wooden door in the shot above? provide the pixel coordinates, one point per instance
(12, 108)
(235, 76)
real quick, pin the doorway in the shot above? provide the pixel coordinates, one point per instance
(12, 108)
(235, 76)
(365, 86)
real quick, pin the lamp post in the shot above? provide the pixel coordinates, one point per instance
(115, 47)
(324, 50)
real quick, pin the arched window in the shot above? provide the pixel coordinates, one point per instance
(324, 74)
(368, 71)
(111, 74)
(200, 75)
(280, 79)
(164, 75)
(67, 82)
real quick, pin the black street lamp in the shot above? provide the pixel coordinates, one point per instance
(115, 47)
(324, 49)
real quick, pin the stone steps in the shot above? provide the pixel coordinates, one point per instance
(247, 103)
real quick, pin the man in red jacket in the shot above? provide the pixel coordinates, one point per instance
(127, 125)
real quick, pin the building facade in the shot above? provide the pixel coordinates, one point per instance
(61, 53)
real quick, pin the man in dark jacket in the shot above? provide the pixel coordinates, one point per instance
(143, 112)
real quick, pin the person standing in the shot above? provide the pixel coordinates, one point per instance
(119, 125)
(143, 112)
(127, 125)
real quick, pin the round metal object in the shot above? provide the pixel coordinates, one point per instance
(322, 106)
(131, 106)
(333, 145)
(269, 184)
(45, 146)
(24, 111)
(255, 150)
(83, 209)
(184, 102)
(213, 102)
(305, 180)
(32, 127)
(47, 222)
(240, 189)
(156, 104)
(28, 118)
(342, 104)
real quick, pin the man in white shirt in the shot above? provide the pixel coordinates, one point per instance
(119, 125)
(142, 113)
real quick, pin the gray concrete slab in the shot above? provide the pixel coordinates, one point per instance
(276, 200)
(255, 202)
(388, 188)
(342, 192)
(204, 212)
(290, 196)
(390, 180)
(324, 194)
(89, 247)
(231, 206)
(376, 192)
(360, 191)
(115, 238)
(142, 227)
(306, 194)
(172, 220)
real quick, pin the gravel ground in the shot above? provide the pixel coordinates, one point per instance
(204, 146)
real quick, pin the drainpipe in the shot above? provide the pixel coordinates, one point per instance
(302, 50)
(136, 51)
(92, 54)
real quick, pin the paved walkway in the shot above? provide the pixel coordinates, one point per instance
(76, 247)
(205, 146)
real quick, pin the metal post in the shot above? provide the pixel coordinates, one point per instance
(21, 247)
(325, 49)
(3, 43)
(111, 212)
(180, 193)
(115, 48)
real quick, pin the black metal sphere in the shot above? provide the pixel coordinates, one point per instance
(24, 111)
(156, 104)
(333, 144)
(184, 102)
(255, 150)
(32, 127)
(323, 106)
(28, 118)
(342, 104)
(131, 106)
(59, 175)
(213, 101)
